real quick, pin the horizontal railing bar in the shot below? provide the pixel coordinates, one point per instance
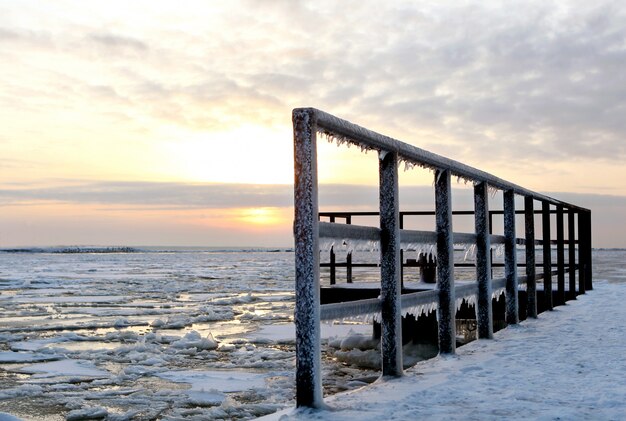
(497, 239)
(349, 309)
(413, 154)
(331, 230)
(373, 305)
(498, 283)
(422, 237)
(463, 238)
(354, 265)
(467, 290)
(343, 214)
(419, 298)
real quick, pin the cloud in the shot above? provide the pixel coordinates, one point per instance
(533, 81)
(114, 41)
(154, 195)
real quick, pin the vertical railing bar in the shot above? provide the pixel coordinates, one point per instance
(510, 259)
(333, 267)
(306, 236)
(391, 310)
(349, 256)
(445, 263)
(560, 254)
(588, 249)
(547, 256)
(531, 282)
(490, 250)
(484, 310)
(571, 253)
(582, 285)
(401, 216)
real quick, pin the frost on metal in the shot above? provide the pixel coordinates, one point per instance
(306, 317)
(445, 263)
(341, 140)
(497, 293)
(510, 260)
(348, 246)
(419, 310)
(470, 300)
(390, 285)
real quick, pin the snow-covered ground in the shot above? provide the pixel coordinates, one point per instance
(569, 364)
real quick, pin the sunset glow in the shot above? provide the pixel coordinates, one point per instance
(117, 112)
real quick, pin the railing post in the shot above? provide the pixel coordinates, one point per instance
(510, 259)
(306, 236)
(484, 310)
(582, 287)
(445, 263)
(531, 282)
(571, 253)
(391, 323)
(333, 267)
(588, 250)
(547, 255)
(401, 256)
(560, 254)
(349, 257)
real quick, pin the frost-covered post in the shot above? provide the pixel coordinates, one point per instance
(531, 281)
(582, 285)
(547, 255)
(588, 248)
(571, 252)
(560, 254)
(446, 312)
(306, 236)
(391, 323)
(483, 261)
(510, 258)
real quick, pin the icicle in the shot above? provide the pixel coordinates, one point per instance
(497, 293)
(470, 300)
(326, 244)
(422, 309)
(492, 191)
(341, 140)
(382, 154)
(470, 253)
(499, 249)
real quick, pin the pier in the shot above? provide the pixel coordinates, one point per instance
(524, 295)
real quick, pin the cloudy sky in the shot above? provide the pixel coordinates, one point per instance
(169, 123)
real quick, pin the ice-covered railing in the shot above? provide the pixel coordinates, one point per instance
(309, 231)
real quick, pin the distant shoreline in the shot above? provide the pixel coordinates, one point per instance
(146, 249)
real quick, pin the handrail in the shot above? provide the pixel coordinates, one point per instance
(333, 126)
(308, 231)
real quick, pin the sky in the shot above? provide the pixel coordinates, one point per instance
(169, 123)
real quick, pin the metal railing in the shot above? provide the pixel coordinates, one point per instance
(308, 230)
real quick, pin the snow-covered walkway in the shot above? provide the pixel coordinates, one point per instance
(569, 364)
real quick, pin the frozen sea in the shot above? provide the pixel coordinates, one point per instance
(173, 334)
(178, 334)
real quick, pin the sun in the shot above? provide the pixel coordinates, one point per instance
(260, 216)
(247, 154)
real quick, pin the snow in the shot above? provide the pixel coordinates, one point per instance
(567, 364)
(25, 357)
(65, 368)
